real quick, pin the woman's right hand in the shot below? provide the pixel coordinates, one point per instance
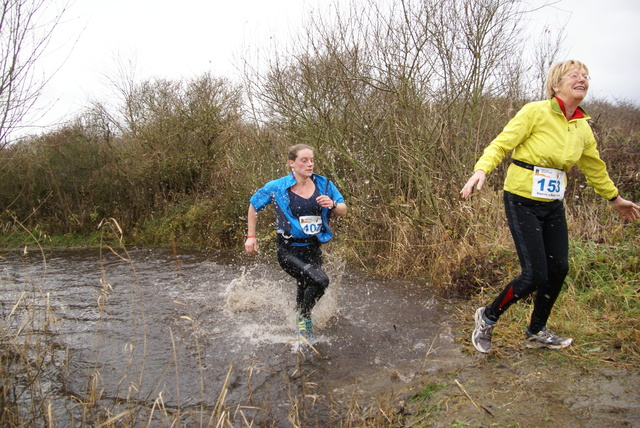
(251, 245)
(477, 179)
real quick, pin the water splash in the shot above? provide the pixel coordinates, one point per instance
(266, 306)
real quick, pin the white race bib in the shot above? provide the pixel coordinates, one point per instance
(311, 224)
(548, 183)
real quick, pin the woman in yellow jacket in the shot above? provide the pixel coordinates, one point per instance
(547, 138)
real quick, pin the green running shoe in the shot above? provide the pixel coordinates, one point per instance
(305, 328)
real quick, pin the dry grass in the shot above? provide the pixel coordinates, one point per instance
(600, 304)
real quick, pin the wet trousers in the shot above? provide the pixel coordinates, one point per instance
(304, 264)
(539, 231)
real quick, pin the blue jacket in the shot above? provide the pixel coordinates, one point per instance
(277, 191)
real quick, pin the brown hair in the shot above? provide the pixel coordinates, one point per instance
(556, 72)
(293, 150)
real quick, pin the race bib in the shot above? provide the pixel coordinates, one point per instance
(548, 183)
(311, 224)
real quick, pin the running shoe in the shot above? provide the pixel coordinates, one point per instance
(545, 338)
(481, 337)
(305, 328)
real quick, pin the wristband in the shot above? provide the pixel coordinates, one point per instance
(613, 199)
(251, 236)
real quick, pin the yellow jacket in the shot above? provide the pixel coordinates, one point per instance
(540, 134)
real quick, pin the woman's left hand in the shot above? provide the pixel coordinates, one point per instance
(626, 209)
(324, 201)
(339, 208)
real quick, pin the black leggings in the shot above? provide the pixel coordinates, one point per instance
(539, 231)
(304, 263)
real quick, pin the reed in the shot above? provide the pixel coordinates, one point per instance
(42, 385)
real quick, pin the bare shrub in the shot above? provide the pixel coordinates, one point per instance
(25, 33)
(399, 102)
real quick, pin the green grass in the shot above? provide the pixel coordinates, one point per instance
(32, 240)
(599, 305)
(602, 300)
(427, 392)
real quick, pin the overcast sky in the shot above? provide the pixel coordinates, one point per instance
(605, 35)
(172, 39)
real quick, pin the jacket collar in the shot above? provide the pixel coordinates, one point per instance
(290, 180)
(557, 105)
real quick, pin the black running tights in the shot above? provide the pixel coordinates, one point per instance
(539, 231)
(304, 264)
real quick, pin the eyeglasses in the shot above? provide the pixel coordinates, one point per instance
(578, 76)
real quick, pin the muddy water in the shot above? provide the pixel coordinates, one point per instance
(152, 328)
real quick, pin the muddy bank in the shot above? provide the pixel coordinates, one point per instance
(529, 389)
(515, 387)
(521, 387)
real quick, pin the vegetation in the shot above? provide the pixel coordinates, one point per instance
(26, 29)
(398, 103)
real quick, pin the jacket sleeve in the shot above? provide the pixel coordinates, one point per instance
(515, 132)
(595, 170)
(334, 193)
(262, 197)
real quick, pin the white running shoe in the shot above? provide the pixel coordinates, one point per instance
(545, 338)
(481, 337)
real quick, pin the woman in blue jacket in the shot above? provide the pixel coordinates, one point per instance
(304, 202)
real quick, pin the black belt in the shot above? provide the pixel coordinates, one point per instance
(288, 240)
(522, 164)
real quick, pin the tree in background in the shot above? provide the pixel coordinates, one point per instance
(25, 32)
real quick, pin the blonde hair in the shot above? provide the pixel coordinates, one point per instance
(556, 72)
